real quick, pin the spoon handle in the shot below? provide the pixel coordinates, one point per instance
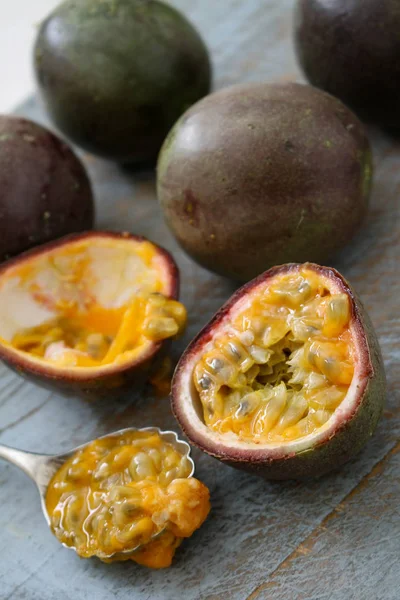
(29, 462)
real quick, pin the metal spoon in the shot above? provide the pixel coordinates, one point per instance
(42, 467)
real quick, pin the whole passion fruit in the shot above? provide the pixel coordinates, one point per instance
(44, 189)
(88, 313)
(351, 48)
(263, 174)
(287, 379)
(116, 74)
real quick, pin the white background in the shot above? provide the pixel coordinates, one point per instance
(18, 22)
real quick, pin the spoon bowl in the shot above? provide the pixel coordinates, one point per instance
(42, 467)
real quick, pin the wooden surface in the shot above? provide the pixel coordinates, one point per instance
(337, 538)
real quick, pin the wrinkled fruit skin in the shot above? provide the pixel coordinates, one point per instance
(44, 189)
(272, 173)
(348, 439)
(351, 49)
(115, 383)
(115, 75)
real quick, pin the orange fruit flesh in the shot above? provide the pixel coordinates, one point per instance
(283, 365)
(120, 492)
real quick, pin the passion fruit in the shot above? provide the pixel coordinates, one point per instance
(273, 173)
(45, 192)
(116, 74)
(352, 50)
(287, 379)
(90, 312)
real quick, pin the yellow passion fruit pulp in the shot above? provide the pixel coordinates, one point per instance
(284, 365)
(124, 491)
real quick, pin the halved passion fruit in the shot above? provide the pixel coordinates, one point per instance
(88, 312)
(287, 379)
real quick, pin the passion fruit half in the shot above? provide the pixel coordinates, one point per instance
(287, 379)
(89, 312)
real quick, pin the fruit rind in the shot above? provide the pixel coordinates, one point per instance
(332, 447)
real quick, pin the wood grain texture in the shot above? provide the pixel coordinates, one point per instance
(337, 538)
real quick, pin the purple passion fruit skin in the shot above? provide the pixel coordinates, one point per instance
(45, 192)
(273, 173)
(108, 378)
(351, 425)
(115, 75)
(351, 49)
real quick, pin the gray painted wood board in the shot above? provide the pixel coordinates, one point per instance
(337, 538)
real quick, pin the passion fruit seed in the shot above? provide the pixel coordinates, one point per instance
(337, 315)
(164, 318)
(294, 371)
(328, 358)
